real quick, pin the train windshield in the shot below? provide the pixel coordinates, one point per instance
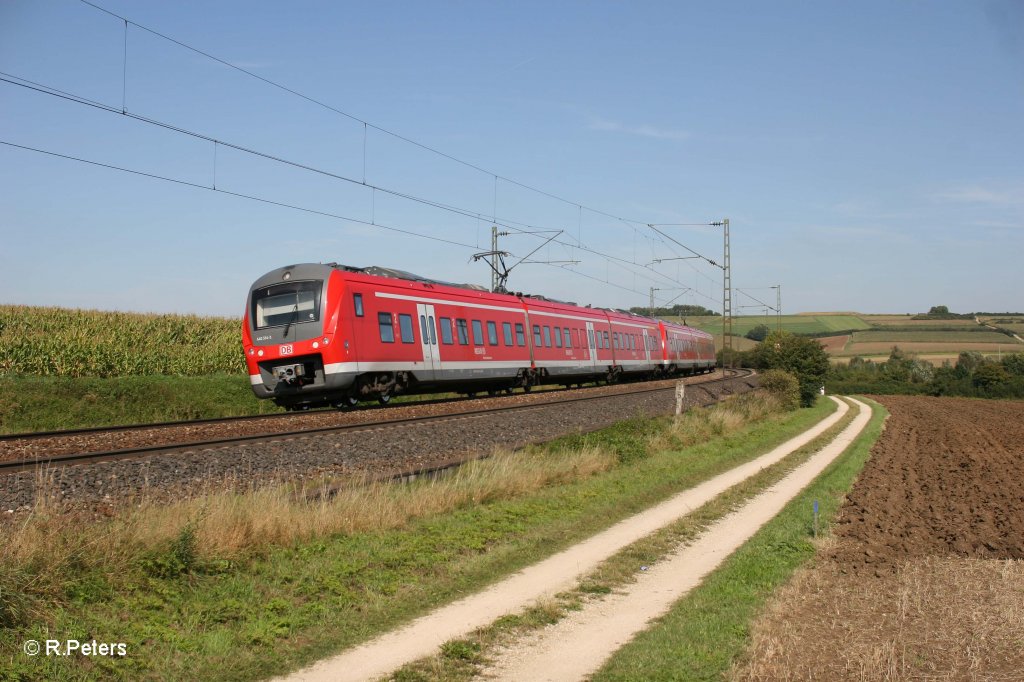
(286, 304)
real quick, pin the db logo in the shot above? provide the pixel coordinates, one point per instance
(287, 349)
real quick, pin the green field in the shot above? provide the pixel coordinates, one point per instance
(798, 324)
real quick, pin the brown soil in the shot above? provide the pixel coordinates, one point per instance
(924, 577)
(945, 479)
(834, 344)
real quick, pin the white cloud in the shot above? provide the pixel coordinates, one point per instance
(977, 194)
(641, 130)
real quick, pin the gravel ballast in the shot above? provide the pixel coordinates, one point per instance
(387, 450)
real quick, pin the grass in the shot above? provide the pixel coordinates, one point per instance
(51, 403)
(193, 602)
(707, 631)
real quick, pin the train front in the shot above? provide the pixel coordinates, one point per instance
(289, 328)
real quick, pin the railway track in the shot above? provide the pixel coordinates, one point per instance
(50, 461)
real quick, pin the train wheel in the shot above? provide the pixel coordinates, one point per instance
(527, 388)
(508, 391)
(471, 396)
(384, 398)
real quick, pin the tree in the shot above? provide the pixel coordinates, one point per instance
(758, 333)
(1014, 363)
(939, 310)
(967, 362)
(989, 374)
(802, 357)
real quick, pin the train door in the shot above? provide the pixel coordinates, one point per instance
(647, 346)
(591, 346)
(428, 341)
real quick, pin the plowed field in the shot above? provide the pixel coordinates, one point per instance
(925, 579)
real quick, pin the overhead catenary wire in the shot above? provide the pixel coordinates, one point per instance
(355, 118)
(633, 267)
(508, 224)
(251, 197)
(271, 202)
(367, 125)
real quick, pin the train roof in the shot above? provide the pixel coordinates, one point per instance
(394, 273)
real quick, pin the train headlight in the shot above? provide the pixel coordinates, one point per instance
(252, 351)
(326, 340)
(260, 353)
(315, 345)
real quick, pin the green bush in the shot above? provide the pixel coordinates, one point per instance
(783, 386)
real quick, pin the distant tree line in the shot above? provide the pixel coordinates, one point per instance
(687, 310)
(973, 375)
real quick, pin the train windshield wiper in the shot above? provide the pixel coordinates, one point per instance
(295, 316)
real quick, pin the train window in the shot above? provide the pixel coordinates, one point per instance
(478, 333)
(387, 329)
(506, 327)
(599, 344)
(520, 335)
(617, 340)
(605, 339)
(547, 336)
(423, 328)
(446, 330)
(405, 328)
(537, 340)
(558, 337)
(463, 330)
(433, 337)
(357, 299)
(568, 338)
(590, 337)
(286, 304)
(492, 333)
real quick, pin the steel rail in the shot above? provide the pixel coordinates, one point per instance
(14, 466)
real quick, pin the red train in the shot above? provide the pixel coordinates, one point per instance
(334, 335)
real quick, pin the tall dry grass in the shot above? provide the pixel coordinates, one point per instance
(699, 426)
(47, 547)
(937, 618)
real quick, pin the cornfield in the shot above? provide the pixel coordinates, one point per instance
(89, 343)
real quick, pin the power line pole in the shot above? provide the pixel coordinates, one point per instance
(495, 283)
(778, 307)
(726, 294)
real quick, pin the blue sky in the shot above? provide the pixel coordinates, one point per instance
(869, 156)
